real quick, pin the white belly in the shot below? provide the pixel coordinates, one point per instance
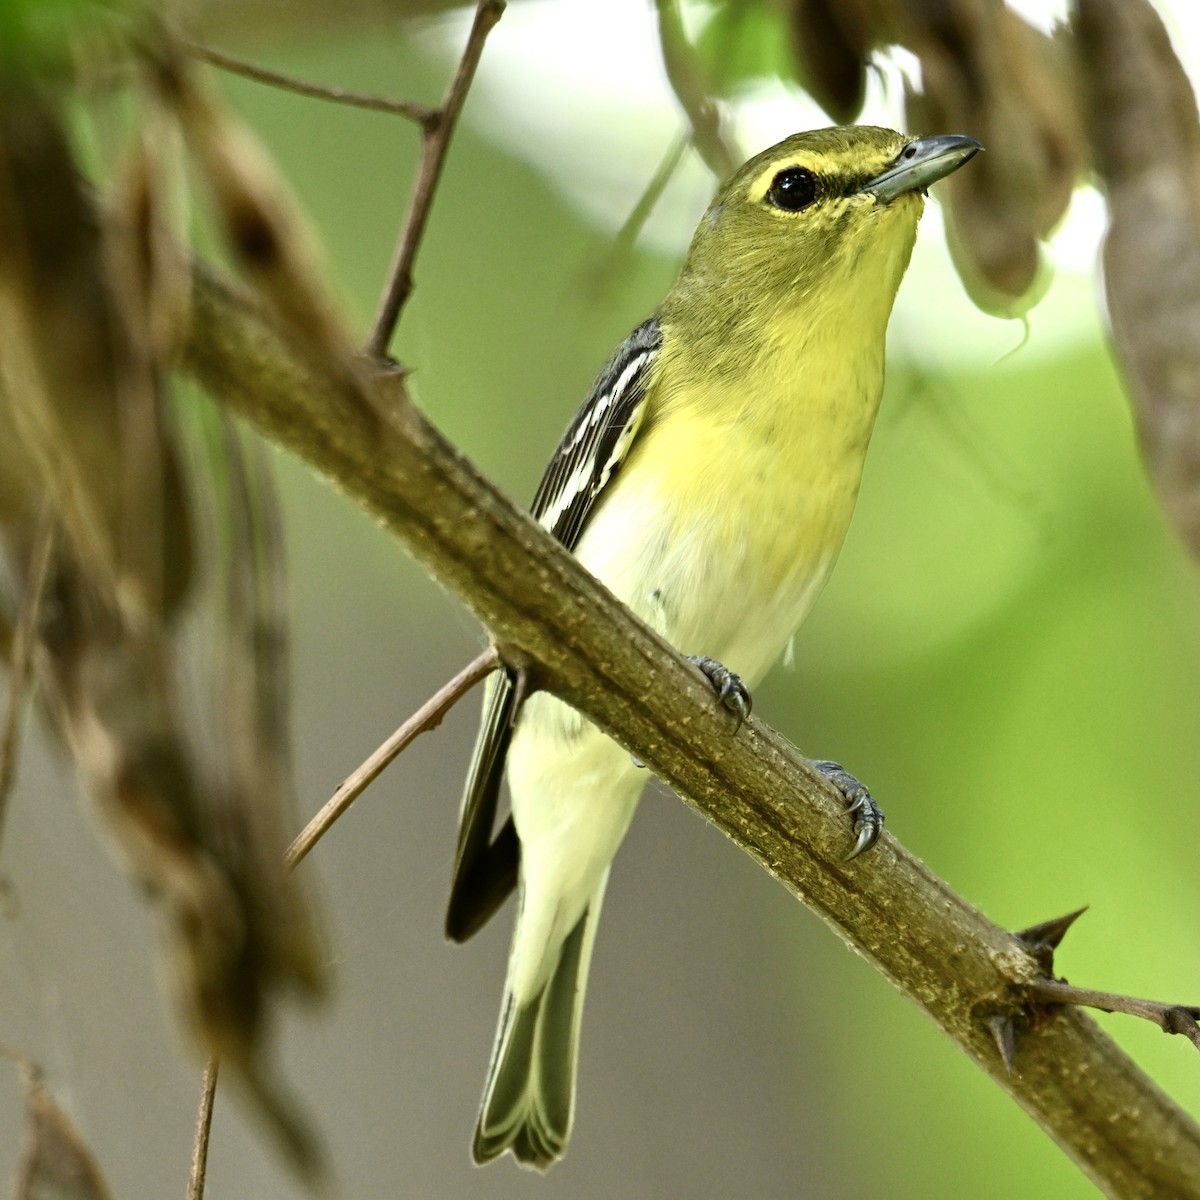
(714, 580)
(732, 582)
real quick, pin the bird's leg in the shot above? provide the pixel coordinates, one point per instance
(730, 689)
(868, 818)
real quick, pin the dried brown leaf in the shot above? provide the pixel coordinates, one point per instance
(832, 42)
(146, 234)
(986, 72)
(83, 404)
(189, 843)
(1145, 136)
(89, 311)
(270, 242)
(20, 492)
(255, 707)
(20, 656)
(56, 1163)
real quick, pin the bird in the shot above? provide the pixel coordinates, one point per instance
(708, 480)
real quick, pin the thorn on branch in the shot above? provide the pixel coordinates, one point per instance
(1002, 1027)
(1043, 939)
(1044, 995)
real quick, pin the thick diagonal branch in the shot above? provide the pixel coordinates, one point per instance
(546, 612)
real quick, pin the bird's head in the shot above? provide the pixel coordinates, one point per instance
(832, 212)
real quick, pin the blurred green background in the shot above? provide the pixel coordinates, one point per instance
(1008, 653)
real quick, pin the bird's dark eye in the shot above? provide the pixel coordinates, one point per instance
(794, 188)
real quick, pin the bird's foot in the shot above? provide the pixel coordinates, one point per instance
(730, 689)
(868, 818)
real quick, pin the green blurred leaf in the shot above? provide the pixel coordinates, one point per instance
(35, 34)
(745, 40)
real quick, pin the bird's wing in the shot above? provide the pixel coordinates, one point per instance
(598, 438)
(485, 869)
(594, 446)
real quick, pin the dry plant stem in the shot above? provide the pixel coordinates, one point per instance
(691, 90)
(208, 1093)
(435, 139)
(547, 614)
(633, 224)
(419, 113)
(1170, 1018)
(617, 257)
(428, 716)
(1135, 84)
(21, 657)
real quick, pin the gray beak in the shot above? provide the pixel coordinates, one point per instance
(920, 163)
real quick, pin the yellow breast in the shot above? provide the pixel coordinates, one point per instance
(726, 518)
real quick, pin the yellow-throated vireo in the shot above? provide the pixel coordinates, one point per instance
(707, 480)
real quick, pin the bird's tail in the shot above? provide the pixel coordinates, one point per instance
(529, 1101)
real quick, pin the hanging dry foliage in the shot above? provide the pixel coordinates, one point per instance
(150, 530)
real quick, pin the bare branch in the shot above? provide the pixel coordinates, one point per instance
(421, 114)
(263, 21)
(1170, 1018)
(428, 716)
(546, 613)
(208, 1094)
(434, 144)
(692, 91)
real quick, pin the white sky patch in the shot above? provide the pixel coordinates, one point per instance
(1042, 14)
(579, 91)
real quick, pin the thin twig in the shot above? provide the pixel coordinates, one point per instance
(692, 91)
(208, 1093)
(640, 213)
(421, 114)
(1170, 1018)
(613, 265)
(435, 140)
(23, 1061)
(428, 716)
(21, 661)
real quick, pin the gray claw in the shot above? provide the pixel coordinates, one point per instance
(868, 818)
(730, 689)
(868, 835)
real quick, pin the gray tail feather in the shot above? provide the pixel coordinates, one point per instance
(529, 1100)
